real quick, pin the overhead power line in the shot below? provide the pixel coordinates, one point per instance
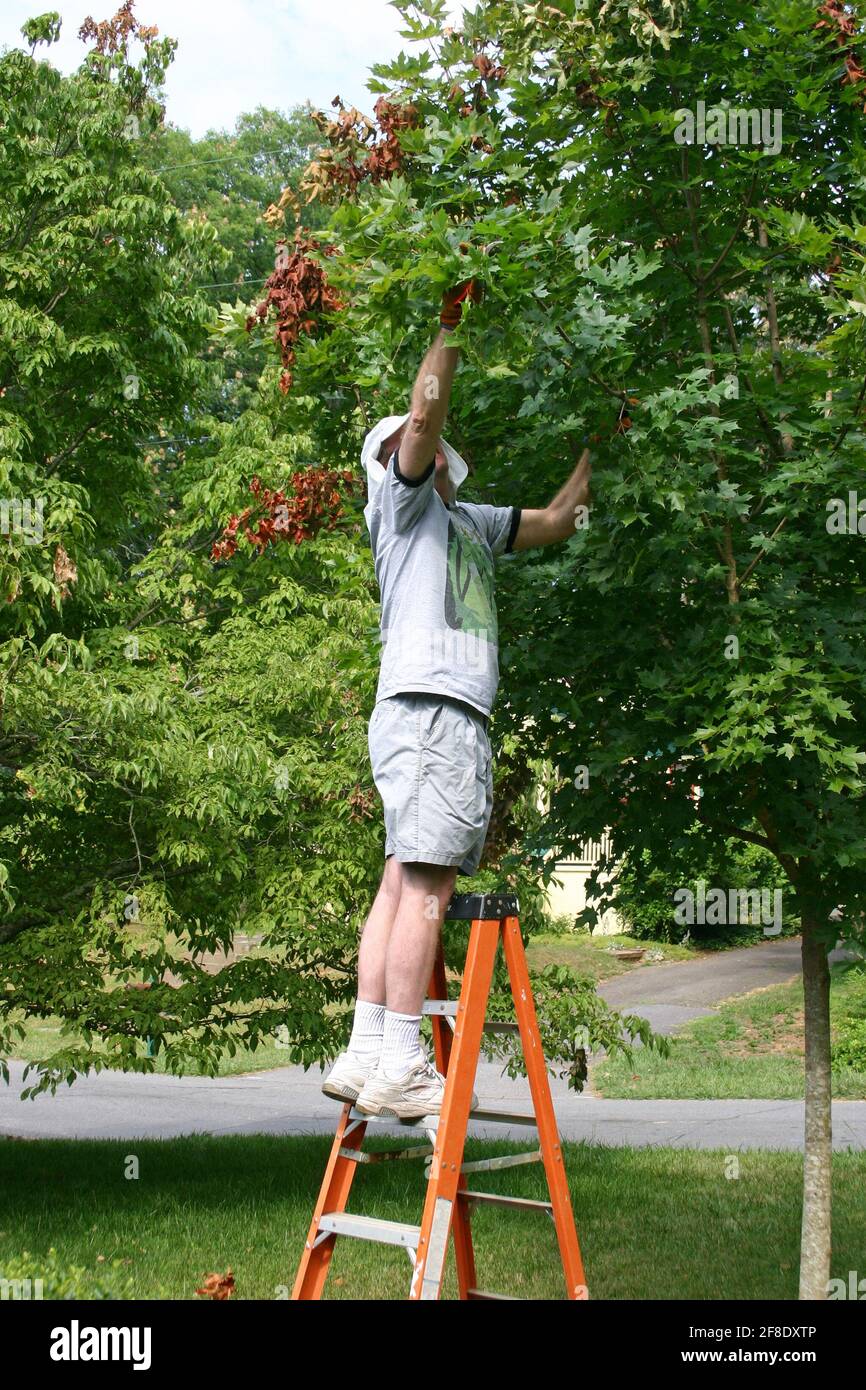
(227, 284)
(219, 159)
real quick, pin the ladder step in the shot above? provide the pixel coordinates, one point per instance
(498, 1297)
(419, 1122)
(385, 1155)
(525, 1203)
(486, 907)
(346, 1223)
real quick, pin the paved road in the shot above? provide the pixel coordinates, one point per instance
(708, 980)
(113, 1105)
(671, 994)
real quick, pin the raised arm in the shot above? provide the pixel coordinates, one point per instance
(432, 390)
(558, 519)
(430, 396)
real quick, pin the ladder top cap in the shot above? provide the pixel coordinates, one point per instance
(470, 907)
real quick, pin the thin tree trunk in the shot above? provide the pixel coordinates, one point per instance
(815, 1241)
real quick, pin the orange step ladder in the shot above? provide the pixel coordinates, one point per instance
(457, 1028)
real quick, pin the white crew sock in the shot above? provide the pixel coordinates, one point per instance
(401, 1045)
(365, 1043)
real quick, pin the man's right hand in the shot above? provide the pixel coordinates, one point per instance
(454, 299)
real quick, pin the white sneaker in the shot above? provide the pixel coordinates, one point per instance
(419, 1092)
(348, 1076)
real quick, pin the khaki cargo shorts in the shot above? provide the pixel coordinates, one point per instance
(433, 770)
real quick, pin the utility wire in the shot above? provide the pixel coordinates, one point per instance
(227, 284)
(220, 159)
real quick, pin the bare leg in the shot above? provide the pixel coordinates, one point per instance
(411, 949)
(377, 929)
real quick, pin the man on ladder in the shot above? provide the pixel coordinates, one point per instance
(428, 741)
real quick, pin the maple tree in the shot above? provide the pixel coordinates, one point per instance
(696, 308)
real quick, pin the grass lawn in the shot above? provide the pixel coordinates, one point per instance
(653, 1223)
(751, 1048)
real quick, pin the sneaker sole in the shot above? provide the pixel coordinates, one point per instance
(338, 1092)
(402, 1112)
(405, 1113)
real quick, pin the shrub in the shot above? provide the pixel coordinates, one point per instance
(849, 1044)
(49, 1277)
(849, 1028)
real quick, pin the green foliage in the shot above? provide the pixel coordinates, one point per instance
(98, 335)
(226, 182)
(181, 741)
(223, 718)
(849, 1045)
(44, 28)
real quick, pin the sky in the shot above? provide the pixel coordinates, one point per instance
(235, 55)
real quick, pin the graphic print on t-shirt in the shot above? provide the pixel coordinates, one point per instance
(469, 602)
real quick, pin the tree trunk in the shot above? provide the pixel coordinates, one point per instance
(818, 1155)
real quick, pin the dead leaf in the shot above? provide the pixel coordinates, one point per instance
(218, 1286)
(65, 572)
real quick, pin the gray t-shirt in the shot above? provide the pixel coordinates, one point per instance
(434, 565)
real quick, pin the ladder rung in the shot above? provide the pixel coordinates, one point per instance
(447, 1008)
(491, 1165)
(485, 1294)
(346, 1223)
(496, 1199)
(385, 1155)
(504, 1117)
(499, 1117)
